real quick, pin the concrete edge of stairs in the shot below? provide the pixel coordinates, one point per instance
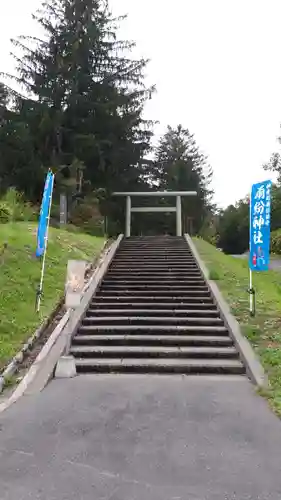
(253, 366)
(42, 369)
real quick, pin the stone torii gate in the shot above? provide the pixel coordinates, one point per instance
(177, 209)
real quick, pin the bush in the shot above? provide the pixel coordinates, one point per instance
(6, 213)
(234, 228)
(275, 245)
(73, 229)
(213, 240)
(214, 275)
(86, 216)
(15, 208)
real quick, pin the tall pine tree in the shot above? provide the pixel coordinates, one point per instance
(85, 95)
(180, 166)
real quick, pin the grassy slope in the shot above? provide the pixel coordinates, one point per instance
(20, 274)
(263, 331)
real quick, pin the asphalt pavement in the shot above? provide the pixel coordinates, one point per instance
(274, 265)
(141, 438)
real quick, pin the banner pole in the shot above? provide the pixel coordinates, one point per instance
(40, 288)
(251, 290)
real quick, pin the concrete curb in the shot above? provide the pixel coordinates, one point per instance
(254, 368)
(35, 367)
(44, 365)
(14, 364)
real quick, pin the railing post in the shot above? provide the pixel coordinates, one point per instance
(179, 222)
(128, 217)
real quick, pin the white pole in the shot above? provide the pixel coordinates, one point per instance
(178, 214)
(45, 250)
(251, 296)
(128, 217)
(251, 291)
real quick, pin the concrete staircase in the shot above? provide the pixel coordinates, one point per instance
(153, 313)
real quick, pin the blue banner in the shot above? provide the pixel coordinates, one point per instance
(260, 226)
(44, 215)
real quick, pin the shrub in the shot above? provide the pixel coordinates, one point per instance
(214, 275)
(73, 229)
(276, 241)
(86, 216)
(18, 208)
(6, 213)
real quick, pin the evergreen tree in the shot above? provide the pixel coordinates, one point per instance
(85, 95)
(233, 225)
(4, 100)
(180, 166)
(274, 165)
(16, 148)
(234, 228)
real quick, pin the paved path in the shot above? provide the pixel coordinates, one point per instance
(274, 265)
(140, 438)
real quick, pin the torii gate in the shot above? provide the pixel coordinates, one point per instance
(177, 209)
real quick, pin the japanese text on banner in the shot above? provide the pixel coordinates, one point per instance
(260, 226)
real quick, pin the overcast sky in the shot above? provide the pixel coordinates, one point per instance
(216, 65)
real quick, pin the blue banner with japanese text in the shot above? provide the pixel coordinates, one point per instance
(260, 226)
(44, 215)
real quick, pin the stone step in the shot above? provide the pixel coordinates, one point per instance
(154, 329)
(154, 340)
(161, 246)
(152, 237)
(153, 269)
(147, 259)
(157, 243)
(150, 248)
(180, 299)
(195, 313)
(154, 260)
(170, 292)
(157, 267)
(156, 270)
(150, 320)
(117, 287)
(155, 255)
(147, 278)
(168, 271)
(153, 248)
(154, 251)
(138, 250)
(154, 313)
(99, 303)
(165, 280)
(147, 283)
(167, 366)
(169, 250)
(153, 276)
(152, 352)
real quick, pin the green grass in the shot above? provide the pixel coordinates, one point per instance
(264, 330)
(20, 275)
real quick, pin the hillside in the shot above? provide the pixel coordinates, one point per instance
(263, 331)
(20, 275)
